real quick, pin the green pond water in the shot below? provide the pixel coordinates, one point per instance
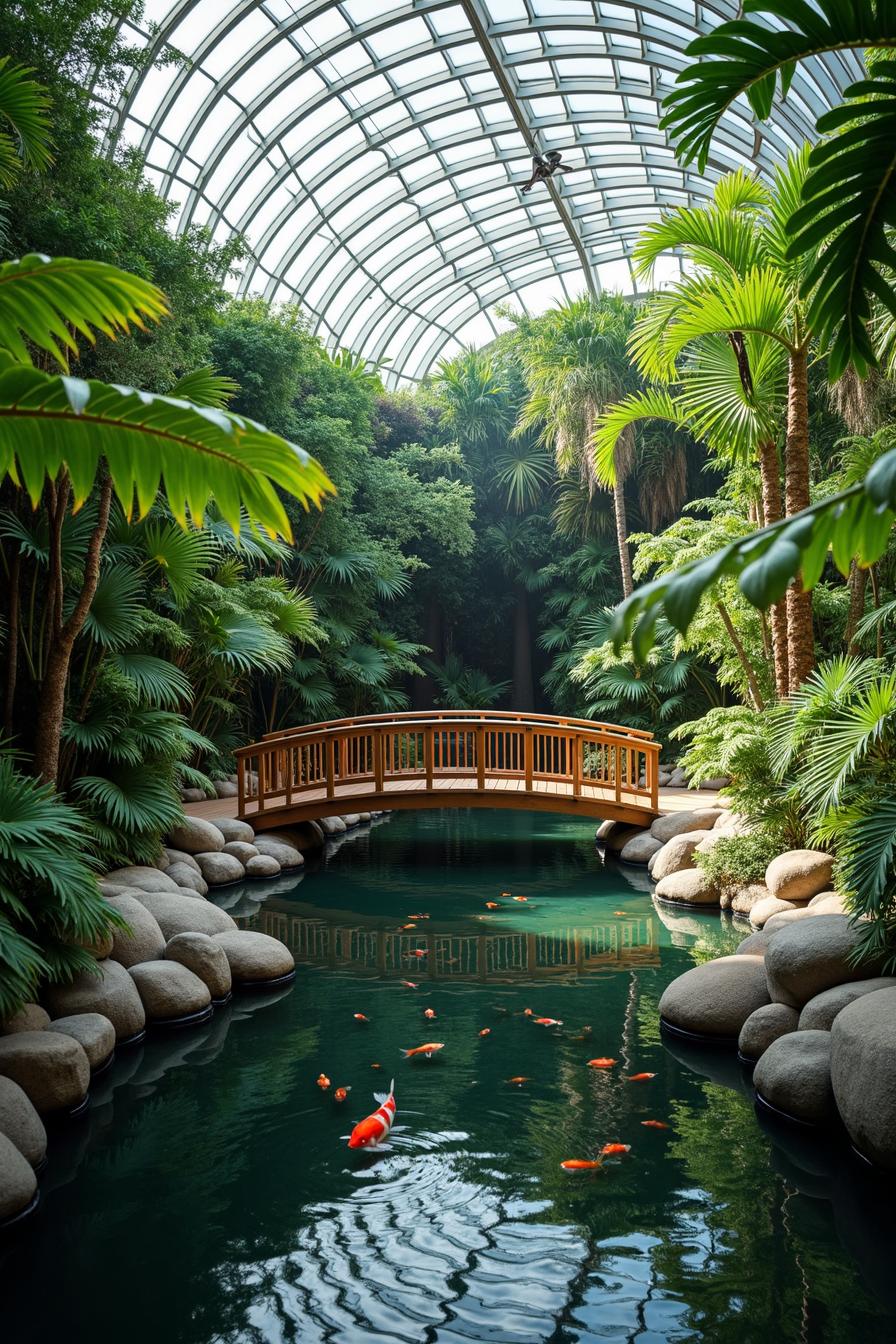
(209, 1197)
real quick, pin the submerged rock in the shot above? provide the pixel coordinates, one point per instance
(863, 1072)
(799, 874)
(110, 992)
(20, 1122)
(819, 1013)
(205, 958)
(94, 1033)
(255, 957)
(716, 999)
(765, 1025)
(197, 836)
(169, 990)
(794, 1075)
(18, 1183)
(52, 1069)
(813, 955)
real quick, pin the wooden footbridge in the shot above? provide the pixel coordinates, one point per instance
(450, 758)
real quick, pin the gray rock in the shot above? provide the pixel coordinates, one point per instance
(713, 785)
(192, 795)
(764, 1026)
(141, 878)
(94, 1033)
(331, 825)
(30, 1017)
(754, 945)
(640, 849)
(822, 896)
(794, 1074)
(745, 897)
(178, 914)
(863, 1072)
(679, 823)
(308, 835)
(196, 836)
(232, 828)
(169, 990)
(819, 1013)
(142, 939)
(677, 855)
(188, 877)
(110, 992)
(219, 868)
(18, 1183)
(691, 887)
(286, 855)
(224, 788)
(241, 850)
(831, 904)
(763, 910)
(255, 956)
(716, 998)
(785, 917)
(613, 836)
(352, 819)
(799, 874)
(805, 958)
(51, 1069)
(20, 1122)
(262, 865)
(181, 856)
(205, 958)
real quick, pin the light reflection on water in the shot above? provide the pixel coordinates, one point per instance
(209, 1197)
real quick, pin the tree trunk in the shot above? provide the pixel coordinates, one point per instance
(800, 638)
(858, 581)
(55, 679)
(625, 562)
(523, 688)
(749, 672)
(770, 475)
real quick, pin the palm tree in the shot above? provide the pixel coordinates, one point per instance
(576, 363)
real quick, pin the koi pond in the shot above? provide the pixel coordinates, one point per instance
(209, 1196)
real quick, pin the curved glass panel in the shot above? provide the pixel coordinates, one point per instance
(372, 152)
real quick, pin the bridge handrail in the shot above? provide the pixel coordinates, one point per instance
(477, 715)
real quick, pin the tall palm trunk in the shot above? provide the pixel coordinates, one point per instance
(858, 581)
(770, 476)
(625, 560)
(800, 638)
(523, 686)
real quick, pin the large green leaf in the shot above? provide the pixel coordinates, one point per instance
(149, 443)
(24, 122)
(48, 300)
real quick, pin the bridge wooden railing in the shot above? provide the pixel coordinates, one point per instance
(517, 758)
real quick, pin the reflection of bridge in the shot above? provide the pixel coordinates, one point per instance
(562, 951)
(450, 758)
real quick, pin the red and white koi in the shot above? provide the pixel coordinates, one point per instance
(374, 1129)
(548, 1022)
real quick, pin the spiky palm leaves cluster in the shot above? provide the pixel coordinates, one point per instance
(463, 687)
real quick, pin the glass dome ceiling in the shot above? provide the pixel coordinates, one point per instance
(371, 152)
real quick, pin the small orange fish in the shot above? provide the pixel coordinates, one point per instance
(323, 1082)
(486, 1031)
(505, 894)
(492, 905)
(418, 916)
(527, 1012)
(404, 928)
(601, 1063)
(376, 1066)
(580, 1164)
(615, 1149)
(427, 1050)
(409, 984)
(548, 1022)
(341, 1093)
(619, 912)
(430, 1013)
(419, 952)
(359, 1017)
(640, 1077)
(518, 1082)
(521, 898)
(655, 1124)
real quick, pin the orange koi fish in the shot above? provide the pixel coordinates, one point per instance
(505, 895)
(601, 1063)
(640, 1077)
(548, 1022)
(429, 1013)
(376, 1066)
(521, 898)
(486, 1031)
(527, 1012)
(419, 952)
(619, 912)
(518, 1082)
(375, 1128)
(655, 1124)
(427, 1050)
(418, 916)
(492, 905)
(359, 1017)
(409, 984)
(323, 1082)
(615, 1149)
(341, 1093)
(403, 928)
(580, 1164)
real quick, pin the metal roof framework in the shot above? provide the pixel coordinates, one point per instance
(371, 152)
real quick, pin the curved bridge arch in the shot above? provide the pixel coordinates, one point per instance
(450, 758)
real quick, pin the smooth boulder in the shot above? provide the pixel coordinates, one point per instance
(188, 877)
(205, 958)
(30, 1017)
(51, 1069)
(830, 904)
(179, 914)
(763, 909)
(196, 836)
(679, 823)
(143, 878)
(110, 992)
(241, 850)
(813, 955)
(94, 1033)
(18, 1183)
(332, 825)
(231, 828)
(785, 917)
(799, 874)
(219, 868)
(863, 1073)
(262, 865)
(819, 1013)
(640, 849)
(286, 855)
(754, 945)
(716, 998)
(255, 957)
(142, 939)
(181, 856)
(690, 887)
(764, 1026)
(676, 855)
(169, 990)
(794, 1076)
(20, 1122)
(744, 898)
